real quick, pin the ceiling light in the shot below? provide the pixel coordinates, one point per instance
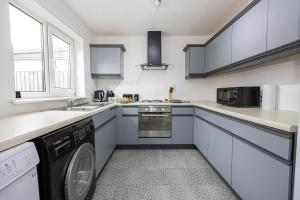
(157, 3)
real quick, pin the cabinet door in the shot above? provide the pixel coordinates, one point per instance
(182, 129)
(187, 63)
(220, 151)
(201, 129)
(249, 34)
(256, 175)
(105, 143)
(106, 61)
(196, 63)
(112, 135)
(196, 132)
(130, 130)
(218, 51)
(119, 126)
(283, 22)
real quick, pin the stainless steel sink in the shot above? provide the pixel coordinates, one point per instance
(85, 107)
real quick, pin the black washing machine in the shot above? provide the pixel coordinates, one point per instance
(67, 162)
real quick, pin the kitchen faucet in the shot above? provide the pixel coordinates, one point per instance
(71, 102)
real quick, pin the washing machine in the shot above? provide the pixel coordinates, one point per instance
(67, 162)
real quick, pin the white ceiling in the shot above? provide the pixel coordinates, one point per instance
(174, 17)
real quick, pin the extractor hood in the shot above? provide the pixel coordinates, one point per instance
(154, 52)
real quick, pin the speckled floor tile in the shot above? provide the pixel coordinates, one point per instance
(160, 175)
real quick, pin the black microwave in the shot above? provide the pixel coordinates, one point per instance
(239, 96)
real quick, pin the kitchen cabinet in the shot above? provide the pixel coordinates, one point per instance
(283, 22)
(264, 31)
(220, 151)
(107, 60)
(182, 124)
(130, 129)
(218, 51)
(119, 126)
(201, 129)
(105, 142)
(254, 160)
(194, 61)
(249, 33)
(256, 175)
(182, 129)
(269, 139)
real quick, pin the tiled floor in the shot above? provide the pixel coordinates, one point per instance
(160, 174)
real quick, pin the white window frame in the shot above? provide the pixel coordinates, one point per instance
(47, 30)
(60, 91)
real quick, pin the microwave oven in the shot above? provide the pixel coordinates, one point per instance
(239, 96)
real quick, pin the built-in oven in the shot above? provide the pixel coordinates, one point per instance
(155, 122)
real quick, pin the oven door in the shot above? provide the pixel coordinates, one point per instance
(155, 125)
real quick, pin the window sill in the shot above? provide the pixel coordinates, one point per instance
(41, 100)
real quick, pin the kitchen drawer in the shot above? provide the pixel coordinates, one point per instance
(130, 110)
(263, 137)
(102, 117)
(182, 110)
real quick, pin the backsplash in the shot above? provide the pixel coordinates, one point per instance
(155, 84)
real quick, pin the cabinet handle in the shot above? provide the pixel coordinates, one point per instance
(154, 115)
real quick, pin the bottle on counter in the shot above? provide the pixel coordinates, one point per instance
(170, 97)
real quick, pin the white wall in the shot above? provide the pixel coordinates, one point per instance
(64, 18)
(155, 84)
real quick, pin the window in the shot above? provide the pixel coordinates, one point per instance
(61, 62)
(28, 51)
(43, 57)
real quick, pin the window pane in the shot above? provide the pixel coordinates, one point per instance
(61, 63)
(27, 41)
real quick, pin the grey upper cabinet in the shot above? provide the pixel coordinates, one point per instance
(220, 151)
(249, 33)
(201, 131)
(107, 60)
(218, 51)
(283, 22)
(256, 175)
(194, 61)
(182, 129)
(130, 130)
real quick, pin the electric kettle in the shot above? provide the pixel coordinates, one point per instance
(99, 96)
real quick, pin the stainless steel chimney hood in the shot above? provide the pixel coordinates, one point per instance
(154, 52)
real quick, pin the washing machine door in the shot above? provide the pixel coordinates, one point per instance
(80, 173)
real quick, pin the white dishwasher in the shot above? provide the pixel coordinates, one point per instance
(18, 173)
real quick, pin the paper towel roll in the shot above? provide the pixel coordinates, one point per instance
(269, 97)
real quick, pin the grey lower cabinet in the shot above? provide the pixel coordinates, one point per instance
(218, 51)
(256, 175)
(130, 130)
(250, 32)
(194, 61)
(105, 142)
(245, 155)
(220, 151)
(182, 129)
(283, 22)
(201, 131)
(107, 60)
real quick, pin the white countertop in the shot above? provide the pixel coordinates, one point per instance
(21, 128)
(277, 119)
